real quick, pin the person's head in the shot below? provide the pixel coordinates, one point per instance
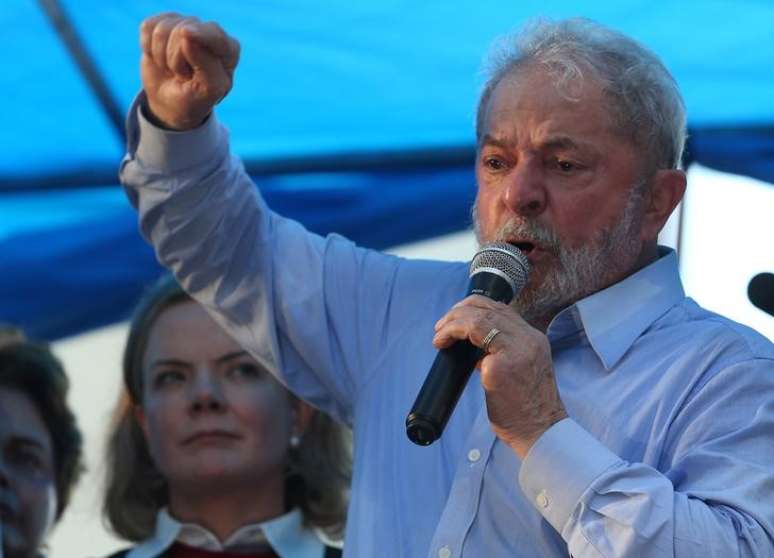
(10, 335)
(40, 445)
(580, 132)
(200, 416)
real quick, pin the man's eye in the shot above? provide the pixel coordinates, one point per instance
(493, 163)
(566, 166)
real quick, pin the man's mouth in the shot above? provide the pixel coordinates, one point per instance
(525, 247)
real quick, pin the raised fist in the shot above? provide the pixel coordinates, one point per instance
(187, 67)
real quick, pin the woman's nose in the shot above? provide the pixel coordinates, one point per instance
(207, 392)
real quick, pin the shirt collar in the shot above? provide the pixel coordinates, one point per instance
(286, 534)
(613, 318)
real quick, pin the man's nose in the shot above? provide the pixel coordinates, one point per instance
(525, 189)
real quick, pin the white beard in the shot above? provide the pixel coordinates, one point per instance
(575, 272)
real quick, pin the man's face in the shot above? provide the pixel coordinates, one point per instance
(556, 180)
(27, 485)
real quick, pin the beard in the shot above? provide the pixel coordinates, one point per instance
(573, 273)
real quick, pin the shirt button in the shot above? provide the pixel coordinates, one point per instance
(444, 552)
(542, 499)
(474, 455)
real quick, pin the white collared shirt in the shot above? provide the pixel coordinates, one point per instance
(286, 535)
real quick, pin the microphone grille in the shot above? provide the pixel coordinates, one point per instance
(505, 258)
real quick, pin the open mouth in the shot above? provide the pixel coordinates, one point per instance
(525, 247)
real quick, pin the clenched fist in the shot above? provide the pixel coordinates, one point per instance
(187, 67)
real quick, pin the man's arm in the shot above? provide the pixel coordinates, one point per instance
(289, 297)
(710, 495)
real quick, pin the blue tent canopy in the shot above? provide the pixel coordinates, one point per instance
(353, 118)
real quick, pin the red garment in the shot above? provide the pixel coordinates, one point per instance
(180, 550)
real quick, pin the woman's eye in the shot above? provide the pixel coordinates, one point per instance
(31, 460)
(246, 370)
(28, 460)
(168, 377)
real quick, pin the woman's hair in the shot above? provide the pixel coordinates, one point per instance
(30, 368)
(318, 470)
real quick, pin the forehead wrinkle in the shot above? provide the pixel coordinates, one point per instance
(553, 142)
(532, 90)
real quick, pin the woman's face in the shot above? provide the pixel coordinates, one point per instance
(211, 415)
(27, 479)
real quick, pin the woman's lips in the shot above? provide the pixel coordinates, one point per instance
(210, 437)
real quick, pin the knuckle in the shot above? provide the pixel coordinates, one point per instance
(215, 26)
(488, 315)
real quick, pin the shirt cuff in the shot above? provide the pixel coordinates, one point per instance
(560, 467)
(171, 151)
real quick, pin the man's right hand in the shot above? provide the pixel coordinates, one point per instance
(187, 67)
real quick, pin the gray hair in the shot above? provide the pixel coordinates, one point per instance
(646, 104)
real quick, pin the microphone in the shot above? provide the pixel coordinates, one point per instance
(760, 291)
(498, 271)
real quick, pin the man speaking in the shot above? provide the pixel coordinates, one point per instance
(612, 416)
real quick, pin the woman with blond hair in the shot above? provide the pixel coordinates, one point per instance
(209, 455)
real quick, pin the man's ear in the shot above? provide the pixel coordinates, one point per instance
(666, 190)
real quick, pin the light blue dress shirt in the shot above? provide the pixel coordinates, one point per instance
(669, 450)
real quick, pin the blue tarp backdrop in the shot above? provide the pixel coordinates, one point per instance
(353, 117)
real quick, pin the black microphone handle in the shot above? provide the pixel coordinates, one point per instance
(445, 382)
(451, 369)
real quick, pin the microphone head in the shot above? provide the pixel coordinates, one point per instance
(502, 259)
(760, 291)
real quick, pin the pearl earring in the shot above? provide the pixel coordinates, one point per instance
(295, 441)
